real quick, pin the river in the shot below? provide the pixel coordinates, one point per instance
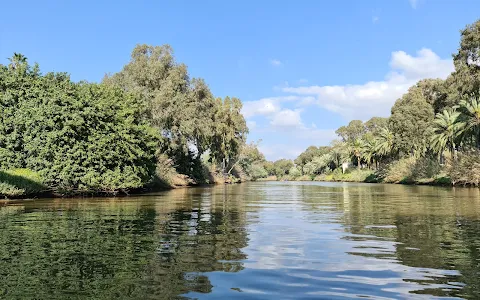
(265, 240)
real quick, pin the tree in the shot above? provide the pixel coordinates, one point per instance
(309, 154)
(80, 137)
(471, 117)
(356, 149)
(467, 61)
(385, 142)
(282, 167)
(411, 122)
(229, 132)
(182, 109)
(339, 152)
(438, 93)
(251, 160)
(354, 130)
(375, 124)
(446, 131)
(17, 60)
(370, 145)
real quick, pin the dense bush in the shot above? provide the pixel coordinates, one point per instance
(410, 170)
(81, 138)
(466, 168)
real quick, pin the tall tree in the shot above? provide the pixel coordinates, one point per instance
(467, 61)
(411, 122)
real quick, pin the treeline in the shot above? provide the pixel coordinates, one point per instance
(431, 136)
(147, 125)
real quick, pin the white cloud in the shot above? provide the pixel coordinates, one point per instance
(413, 3)
(269, 106)
(375, 98)
(275, 62)
(266, 106)
(287, 118)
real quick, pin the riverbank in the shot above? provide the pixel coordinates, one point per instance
(368, 176)
(26, 184)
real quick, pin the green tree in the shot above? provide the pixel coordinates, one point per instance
(356, 148)
(354, 130)
(182, 109)
(282, 167)
(230, 131)
(411, 121)
(385, 142)
(375, 124)
(467, 61)
(79, 137)
(446, 131)
(471, 117)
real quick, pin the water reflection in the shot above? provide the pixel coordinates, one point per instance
(256, 240)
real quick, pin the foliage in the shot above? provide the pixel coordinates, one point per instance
(282, 167)
(410, 170)
(446, 131)
(183, 110)
(354, 130)
(466, 169)
(411, 121)
(251, 160)
(467, 61)
(79, 137)
(294, 172)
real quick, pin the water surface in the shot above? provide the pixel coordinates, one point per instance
(272, 240)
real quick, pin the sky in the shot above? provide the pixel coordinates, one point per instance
(302, 68)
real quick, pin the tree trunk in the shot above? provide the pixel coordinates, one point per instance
(358, 162)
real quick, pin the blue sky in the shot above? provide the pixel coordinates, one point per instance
(302, 68)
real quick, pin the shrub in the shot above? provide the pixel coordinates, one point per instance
(411, 170)
(466, 168)
(81, 138)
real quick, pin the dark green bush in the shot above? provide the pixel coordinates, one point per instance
(81, 138)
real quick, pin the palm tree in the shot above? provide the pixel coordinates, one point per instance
(370, 150)
(447, 128)
(338, 152)
(356, 148)
(471, 116)
(385, 142)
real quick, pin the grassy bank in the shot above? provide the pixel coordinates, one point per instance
(19, 183)
(419, 171)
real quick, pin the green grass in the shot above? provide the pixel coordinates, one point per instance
(20, 182)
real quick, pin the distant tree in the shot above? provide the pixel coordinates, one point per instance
(282, 167)
(356, 149)
(375, 124)
(354, 130)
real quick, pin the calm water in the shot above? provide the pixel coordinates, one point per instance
(249, 241)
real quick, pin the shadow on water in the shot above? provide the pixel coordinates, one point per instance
(256, 240)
